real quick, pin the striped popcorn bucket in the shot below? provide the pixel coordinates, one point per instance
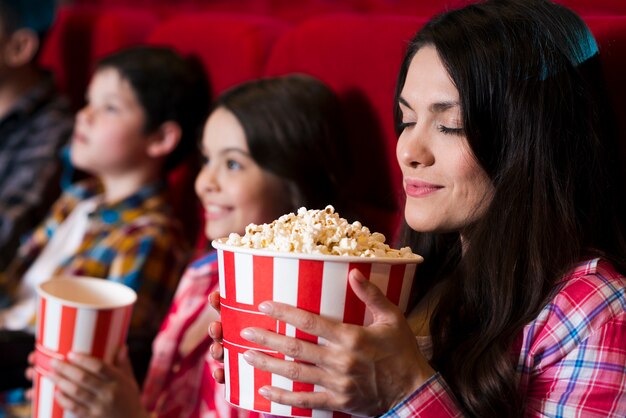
(316, 283)
(76, 314)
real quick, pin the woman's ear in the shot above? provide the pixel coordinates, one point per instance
(21, 47)
(164, 140)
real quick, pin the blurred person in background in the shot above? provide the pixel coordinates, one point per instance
(35, 122)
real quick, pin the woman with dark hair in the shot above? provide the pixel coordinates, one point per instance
(270, 147)
(520, 306)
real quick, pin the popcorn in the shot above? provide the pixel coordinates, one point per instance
(317, 232)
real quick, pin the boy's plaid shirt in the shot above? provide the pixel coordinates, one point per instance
(135, 242)
(573, 355)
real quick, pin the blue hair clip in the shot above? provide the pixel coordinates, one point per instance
(579, 52)
(586, 49)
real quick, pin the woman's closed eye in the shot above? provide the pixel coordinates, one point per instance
(450, 131)
(403, 125)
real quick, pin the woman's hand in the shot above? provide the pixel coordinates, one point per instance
(215, 331)
(89, 387)
(363, 370)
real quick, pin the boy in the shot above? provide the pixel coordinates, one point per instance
(144, 107)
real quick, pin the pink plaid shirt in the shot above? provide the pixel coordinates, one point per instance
(180, 386)
(573, 356)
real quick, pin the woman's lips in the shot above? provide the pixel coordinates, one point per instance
(416, 188)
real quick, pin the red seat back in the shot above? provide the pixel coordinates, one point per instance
(67, 50)
(232, 48)
(119, 28)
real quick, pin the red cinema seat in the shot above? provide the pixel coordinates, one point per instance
(358, 57)
(67, 50)
(596, 7)
(301, 10)
(232, 48)
(82, 35)
(424, 9)
(119, 28)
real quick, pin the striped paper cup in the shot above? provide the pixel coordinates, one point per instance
(76, 314)
(316, 283)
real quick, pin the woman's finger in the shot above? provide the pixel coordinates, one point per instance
(382, 310)
(296, 371)
(306, 400)
(303, 320)
(289, 346)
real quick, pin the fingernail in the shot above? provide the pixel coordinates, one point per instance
(356, 275)
(54, 363)
(265, 392)
(265, 307)
(248, 334)
(249, 356)
(72, 356)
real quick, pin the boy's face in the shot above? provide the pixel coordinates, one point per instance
(108, 137)
(234, 190)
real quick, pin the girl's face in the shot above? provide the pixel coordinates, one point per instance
(234, 190)
(446, 189)
(108, 134)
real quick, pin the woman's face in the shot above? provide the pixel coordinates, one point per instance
(234, 190)
(446, 189)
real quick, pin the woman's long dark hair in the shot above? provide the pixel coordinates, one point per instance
(294, 129)
(529, 79)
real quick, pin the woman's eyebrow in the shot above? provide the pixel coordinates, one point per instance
(441, 107)
(438, 107)
(403, 102)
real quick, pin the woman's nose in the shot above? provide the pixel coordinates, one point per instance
(414, 148)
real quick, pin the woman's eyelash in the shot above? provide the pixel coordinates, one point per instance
(450, 131)
(404, 125)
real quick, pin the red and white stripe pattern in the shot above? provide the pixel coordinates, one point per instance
(62, 329)
(316, 286)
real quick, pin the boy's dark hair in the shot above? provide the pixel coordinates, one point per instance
(169, 88)
(36, 15)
